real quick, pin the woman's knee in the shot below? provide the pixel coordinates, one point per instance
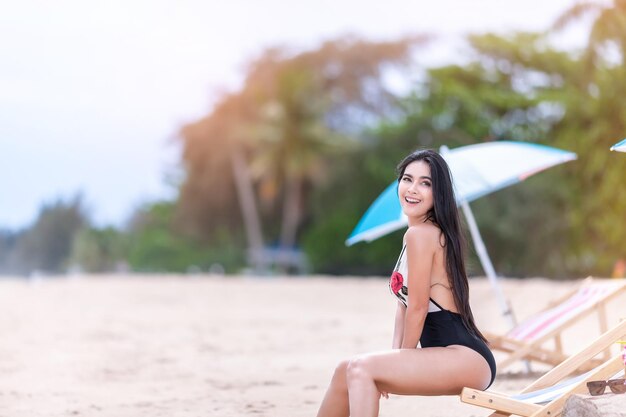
(357, 369)
(340, 372)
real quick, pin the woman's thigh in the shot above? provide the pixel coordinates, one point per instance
(426, 371)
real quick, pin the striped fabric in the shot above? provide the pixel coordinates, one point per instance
(546, 321)
(546, 395)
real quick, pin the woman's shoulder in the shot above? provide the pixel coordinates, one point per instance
(422, 234)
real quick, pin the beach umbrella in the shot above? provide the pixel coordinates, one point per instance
(620, 146)
(477, 170)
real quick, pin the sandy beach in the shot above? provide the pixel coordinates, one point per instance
(123, 346)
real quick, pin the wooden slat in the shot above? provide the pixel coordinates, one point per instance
(604, 326)
(571, 364)
(604, 372)
(558, 344)
(498, 402)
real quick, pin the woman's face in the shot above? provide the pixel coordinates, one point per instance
(415, 191)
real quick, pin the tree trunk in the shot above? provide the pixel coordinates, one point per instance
(291, 213)
(249, 211)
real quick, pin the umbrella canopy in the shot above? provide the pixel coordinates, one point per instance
(620, 146)
(477, 170)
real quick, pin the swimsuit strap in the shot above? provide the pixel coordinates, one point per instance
(397, 267)
(437, 304)
(443, 285)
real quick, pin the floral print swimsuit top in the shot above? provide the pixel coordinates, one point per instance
(399, 282)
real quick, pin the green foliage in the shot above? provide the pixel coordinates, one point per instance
(294, 111)
(580, 100)
(524, 228)
(45, 247)
(359, 178)
(7, 244)
(98, 250)
(155, 245)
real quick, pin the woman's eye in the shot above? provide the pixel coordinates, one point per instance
(406, 179)
(426, 183)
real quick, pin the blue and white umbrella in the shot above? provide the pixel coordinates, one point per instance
(477, 170)
(620, 146)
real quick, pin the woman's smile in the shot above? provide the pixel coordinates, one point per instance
(411, 200)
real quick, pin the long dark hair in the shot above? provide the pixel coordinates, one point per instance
(445, 215)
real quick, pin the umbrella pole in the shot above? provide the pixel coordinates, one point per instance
(487, 265)
(489, 270)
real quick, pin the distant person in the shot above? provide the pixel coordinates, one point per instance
(431, 285)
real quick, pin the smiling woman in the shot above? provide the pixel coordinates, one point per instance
(430, 283)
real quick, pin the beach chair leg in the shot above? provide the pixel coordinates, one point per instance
(603, 327)
(558, 343)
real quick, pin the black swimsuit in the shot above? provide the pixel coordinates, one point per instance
(442, 327)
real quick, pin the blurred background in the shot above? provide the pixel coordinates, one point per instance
(250, 137)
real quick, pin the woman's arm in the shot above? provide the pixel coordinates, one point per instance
(398, 328)
(420, 250)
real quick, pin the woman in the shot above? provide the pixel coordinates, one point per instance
(431, 286)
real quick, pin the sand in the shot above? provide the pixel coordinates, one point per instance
(217, 346)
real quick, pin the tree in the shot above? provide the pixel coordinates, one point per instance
(292, 110)
(583, 111)
(453, 106)
(98, 250)
(7, 245)
(293, 145)
(607, 36)
(217, 176)
(46, 246)
(154, 244)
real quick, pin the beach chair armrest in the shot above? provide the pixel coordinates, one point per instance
(497, 402)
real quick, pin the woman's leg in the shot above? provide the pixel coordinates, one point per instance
(429, 371)
(335, 403)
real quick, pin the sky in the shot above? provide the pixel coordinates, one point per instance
(92, 93)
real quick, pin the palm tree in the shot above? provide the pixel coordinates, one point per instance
(311, 104)
(274, 137)
(608, 30)
(293, 145)
(218, 181)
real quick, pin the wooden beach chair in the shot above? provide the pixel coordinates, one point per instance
(527, 341)
(547, 395)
